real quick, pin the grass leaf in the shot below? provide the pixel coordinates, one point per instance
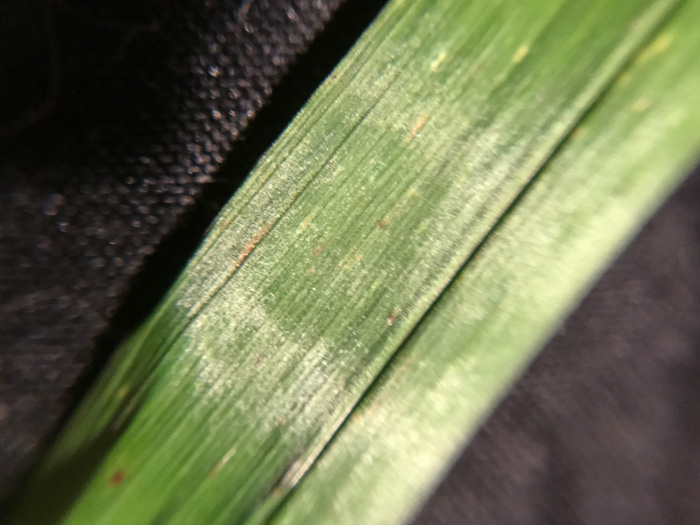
(442, 146)
(612, 171)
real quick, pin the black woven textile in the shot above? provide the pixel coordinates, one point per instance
(125, 125)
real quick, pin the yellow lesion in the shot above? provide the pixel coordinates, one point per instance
(422, 227)
(435, 64)
(349, 260)
(623, 79)
(303, 225)
(412, 192)
(520, 54)
(658, 46)
(640, 105)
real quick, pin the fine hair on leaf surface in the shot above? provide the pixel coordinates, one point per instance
(388, 267)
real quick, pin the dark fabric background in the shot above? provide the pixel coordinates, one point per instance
(125, 125)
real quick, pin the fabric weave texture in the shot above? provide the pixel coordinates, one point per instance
(122, 115)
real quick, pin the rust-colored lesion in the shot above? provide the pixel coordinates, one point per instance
(417, 126)
(317, 251)
(251, 244)
(382, 224)
(117, 478)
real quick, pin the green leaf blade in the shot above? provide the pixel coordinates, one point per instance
(329, 256)
(629, 153)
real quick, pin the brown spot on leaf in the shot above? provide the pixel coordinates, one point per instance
(117, 478)
(391, 318)
(417, 126)
(251, 244)
(578, 132)
(317, 250)
(382, 224)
